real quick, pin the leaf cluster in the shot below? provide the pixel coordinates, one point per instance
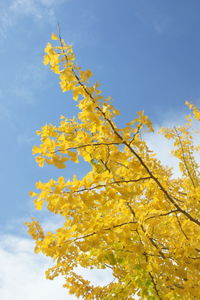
(128, 213)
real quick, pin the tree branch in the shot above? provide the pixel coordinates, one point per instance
(86, 145)
(96, 232)
(110, 183)
(155, 286)
(162, 215)
(114, 129)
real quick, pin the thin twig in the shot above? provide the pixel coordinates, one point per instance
(184, 158)
(110, 183)
(85, 145)
(179, 223)
(162, 215)
(103, 229)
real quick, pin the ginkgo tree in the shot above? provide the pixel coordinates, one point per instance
(128, 213)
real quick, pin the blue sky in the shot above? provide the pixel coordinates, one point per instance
(144, 53)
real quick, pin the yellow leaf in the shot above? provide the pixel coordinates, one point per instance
(32, 194)
(73, 156)
(54, 37)
(36, 150)
(40, 161)
(38, 204)
(46, 59)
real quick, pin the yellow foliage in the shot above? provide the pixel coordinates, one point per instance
(127, 213)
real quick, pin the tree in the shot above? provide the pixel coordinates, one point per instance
(128, 213)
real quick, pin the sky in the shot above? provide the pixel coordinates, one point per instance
(144, 53)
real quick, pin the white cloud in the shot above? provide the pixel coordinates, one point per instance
(162, 147)
(52, 2)
(22, 273)
(40, 10)
(26, 7)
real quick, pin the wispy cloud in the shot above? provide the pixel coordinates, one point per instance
(40, 10)
(6, 22)
(26, 8)
(24, 139)
(4, 112)
(153, 17)
(52, 2)
(27, 79)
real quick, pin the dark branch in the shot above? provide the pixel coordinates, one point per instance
(162, 215)
(110, 183)
(155, 286)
